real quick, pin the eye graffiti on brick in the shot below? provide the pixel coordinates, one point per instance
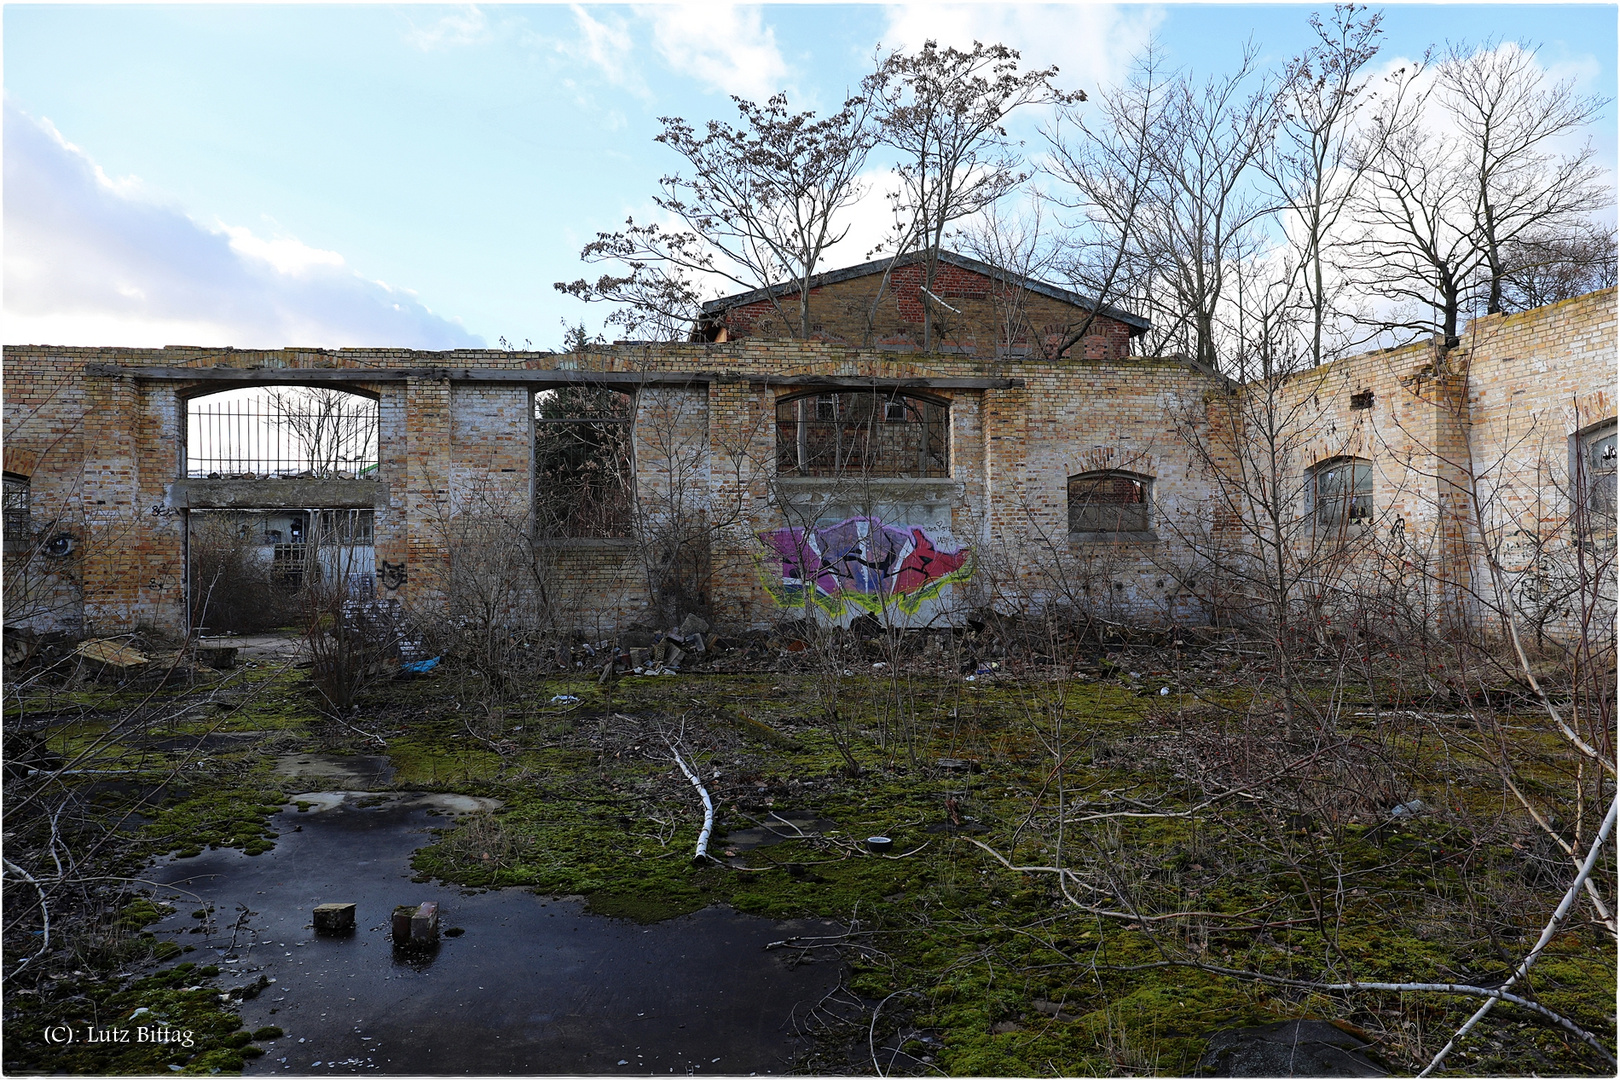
(859, 563)
(392, 575)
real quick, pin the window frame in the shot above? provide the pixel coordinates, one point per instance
(18, 489)
(1095, 477)
(614, 433)
(1588, 472)
(813, 423)
(1357, 518)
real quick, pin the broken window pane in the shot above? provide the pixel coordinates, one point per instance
(1108, 502)
(282, 431)
(862, 432)
(582, 462)
(1340, 492)
(1599, 464)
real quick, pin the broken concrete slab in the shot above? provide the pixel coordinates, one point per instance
(110, 652)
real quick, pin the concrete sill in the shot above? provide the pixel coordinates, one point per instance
(1149, 537)
(587, 543)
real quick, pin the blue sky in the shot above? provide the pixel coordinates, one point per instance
(421, 175)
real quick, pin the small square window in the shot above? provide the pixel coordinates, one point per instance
(1361, 400)
(827, 407)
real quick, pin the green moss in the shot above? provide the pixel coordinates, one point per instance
(225, 817)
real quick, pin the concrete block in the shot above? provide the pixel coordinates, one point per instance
(425, 924)
(334, 918)
(402, 924)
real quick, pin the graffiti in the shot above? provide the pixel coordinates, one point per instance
(392, 575)
(859, 563)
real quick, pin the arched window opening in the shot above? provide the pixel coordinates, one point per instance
(313, 432)
(583, 465)
(1340, 493)
(870, 433)
(1109, 502)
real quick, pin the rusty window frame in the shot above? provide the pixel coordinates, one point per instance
(862, 432)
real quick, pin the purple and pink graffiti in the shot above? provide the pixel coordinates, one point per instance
(860, 562)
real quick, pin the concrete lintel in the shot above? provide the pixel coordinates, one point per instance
(537, 377)
(877, 490)
(239, 494)
(861, 382)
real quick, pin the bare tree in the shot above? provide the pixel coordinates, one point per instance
(1445, 212)
(944, 111)
(1544, 269)
(1507, 115)
(762, 204)
(1311, 163)
(334, 432)
(1106, 172)
(1019, 249)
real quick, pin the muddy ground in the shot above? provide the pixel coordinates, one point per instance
(1221, 849)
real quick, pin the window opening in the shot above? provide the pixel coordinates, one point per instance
(1340, 493)
(583, 470)
(1598, 463)
(1362, 400)
(251, 570)
(282, 431)
(1108, 502)
(17, 526)
(866, 432)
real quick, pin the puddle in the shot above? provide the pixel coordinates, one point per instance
(321, 801)
(211, 742)
(351, 771)
(775, 828)
(532, 986)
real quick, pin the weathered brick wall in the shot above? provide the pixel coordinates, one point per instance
(102, 452)
(991, 320)
(1499, 414)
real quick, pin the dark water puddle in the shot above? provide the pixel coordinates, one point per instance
(775, 828)
(532, 986)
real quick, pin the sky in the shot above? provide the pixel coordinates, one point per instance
(420, 176)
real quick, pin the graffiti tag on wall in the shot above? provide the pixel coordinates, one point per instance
(859, 563)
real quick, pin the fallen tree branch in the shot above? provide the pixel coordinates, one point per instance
(1599, 842)
(708, 803)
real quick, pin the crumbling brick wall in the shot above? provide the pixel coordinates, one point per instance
(102, 448)
(992, 320)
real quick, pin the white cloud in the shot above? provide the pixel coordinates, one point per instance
(1090, 43)
(469, 26)
(286, 254)
(90, 262)
(727, 47)
(606, 45)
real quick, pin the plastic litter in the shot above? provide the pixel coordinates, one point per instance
(421, 667)
(564, 699)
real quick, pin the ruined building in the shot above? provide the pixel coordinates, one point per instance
(751, 477)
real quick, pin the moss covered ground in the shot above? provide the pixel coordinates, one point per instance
(1209, 846)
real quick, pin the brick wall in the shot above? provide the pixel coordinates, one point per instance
(101, 452)
(992, 320)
